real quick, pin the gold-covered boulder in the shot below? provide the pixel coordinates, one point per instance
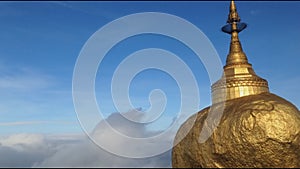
(255, 131)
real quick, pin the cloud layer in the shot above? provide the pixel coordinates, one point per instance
(33, 150)
(24, 150)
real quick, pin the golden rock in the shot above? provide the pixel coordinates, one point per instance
(256, 129)
(260, 130)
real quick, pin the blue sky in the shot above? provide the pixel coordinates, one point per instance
(40, 42)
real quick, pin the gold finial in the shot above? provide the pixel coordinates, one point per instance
(234, 26)
(239, 79)
(233, 15)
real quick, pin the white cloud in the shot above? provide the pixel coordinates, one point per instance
(32, 150)
(87, 154)
(23, 79)
(21, 123)
(23, 150)
(13, 141)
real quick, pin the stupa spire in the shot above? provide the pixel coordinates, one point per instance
(239, 79)
(233, 27)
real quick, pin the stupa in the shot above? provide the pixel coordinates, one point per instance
(256, 129)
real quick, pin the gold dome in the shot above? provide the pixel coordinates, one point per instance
(257, 128)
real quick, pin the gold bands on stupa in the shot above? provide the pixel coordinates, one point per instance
(239, 79)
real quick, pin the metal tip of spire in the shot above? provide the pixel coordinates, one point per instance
(233, 21)
(233, 15)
